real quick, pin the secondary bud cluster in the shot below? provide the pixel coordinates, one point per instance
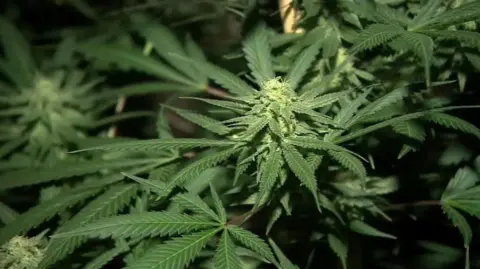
(21, 253)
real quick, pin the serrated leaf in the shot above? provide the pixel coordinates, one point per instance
(302, 63)
(193, 202)
(221, 76)
(231, 105)
(460, 222)
(139, 225)
(410, 129)
(165, 42)
(159, 145)
(377, 11)
(316, 116)
(379, 104)
(210, 175)
(454, 154)
(276, 214)
(464, 179)
(313, 143)
(194, 51)
(64, 169)
(285, 263)
(466, 12)
(314, 160)
(363, 228)
(222, 214)
(104, 258)
(467, 38)
(300, 168)
(428, 11)
(202, 121)
(194, 169)
(422, 45)
(241, 166)
(155, 185)
(134, 59)
(42, 212)
(374, 36)
(326, 99)
(389, 122)
(346, 114)
(257, 52)
(251, 241)
(269, 172)
(453, 122)
(110, 202)
(350, 162)
(143, 88)
(255, 127)
(339, 248)
(226, 256)
(174, 254)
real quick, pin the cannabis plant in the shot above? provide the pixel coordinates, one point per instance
(293, 139)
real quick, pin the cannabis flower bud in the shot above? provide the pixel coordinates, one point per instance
(21, 253)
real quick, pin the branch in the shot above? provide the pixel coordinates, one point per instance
(418, 203)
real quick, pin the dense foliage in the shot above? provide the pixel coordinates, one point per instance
(292, 163)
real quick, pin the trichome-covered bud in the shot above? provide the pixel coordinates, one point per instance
(21, 253)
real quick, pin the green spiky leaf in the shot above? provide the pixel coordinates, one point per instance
(460, 222)
(300, 168)
(141, 225)
(226, 256)
(252, 241)
(302, 63)
(159, 145)
(350, 162)
(176, 253)
(64, 169)
(257, 52)
(109, 203)
(363, 228)
(453, 122)
(43, 212)
(375, 35)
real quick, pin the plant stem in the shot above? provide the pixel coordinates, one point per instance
(217, 92)
(418, 203)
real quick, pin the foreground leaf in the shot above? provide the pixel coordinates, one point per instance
(257, 52)
(300, 168)
(252, 241)
(141, 225)
(134, 59)
(176, 253)
(196, 168)
(64, 169)
(226, 256)
(460, 222)
(109, 203)
(363, 228)
(159, 145)
(42, 212)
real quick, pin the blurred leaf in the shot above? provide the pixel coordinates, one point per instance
(363, 228)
